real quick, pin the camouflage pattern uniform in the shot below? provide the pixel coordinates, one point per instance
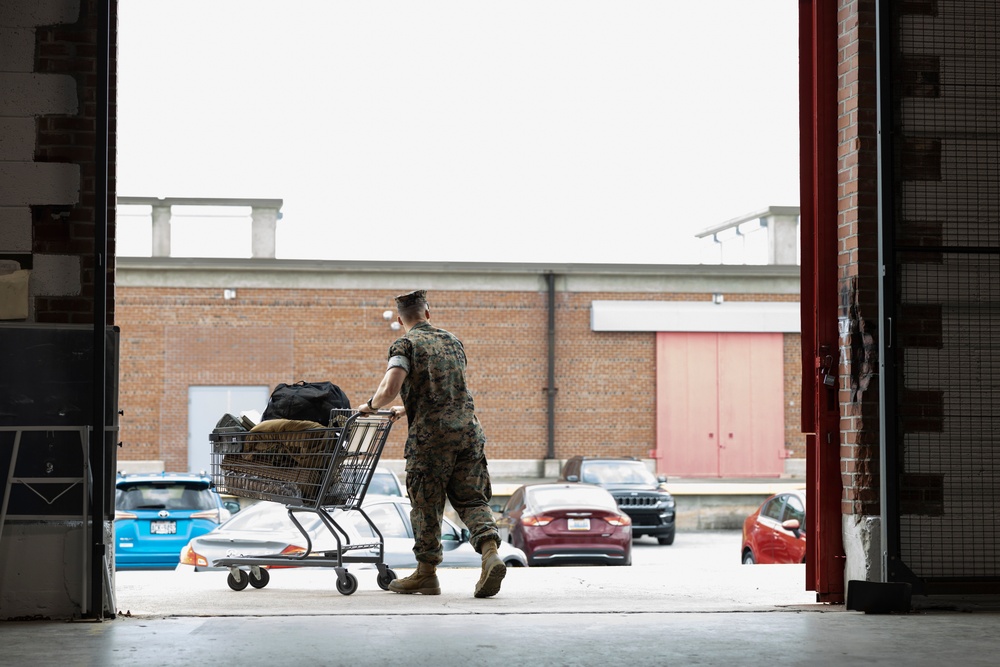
(445, 443)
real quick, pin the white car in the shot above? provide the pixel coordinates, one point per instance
(265, 529)
(391, 514)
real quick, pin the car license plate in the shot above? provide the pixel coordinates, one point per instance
(578, 524)
(163, 527)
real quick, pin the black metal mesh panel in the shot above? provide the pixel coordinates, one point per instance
(946, 181)
(948, 483)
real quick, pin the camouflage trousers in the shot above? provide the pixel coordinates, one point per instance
(460, 475)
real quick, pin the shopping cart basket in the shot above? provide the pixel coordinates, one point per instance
(317, 471)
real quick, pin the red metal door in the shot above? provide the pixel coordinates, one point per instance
(751, 405)
(720, 410)
(687, 399)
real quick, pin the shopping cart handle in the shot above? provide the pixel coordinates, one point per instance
(377, 413)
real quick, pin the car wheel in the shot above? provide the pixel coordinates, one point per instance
(513, 562)
(667, 540)
(748, 558)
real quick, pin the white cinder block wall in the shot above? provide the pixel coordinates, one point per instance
(25, 96)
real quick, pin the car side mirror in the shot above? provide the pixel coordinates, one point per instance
(792, 525)
(572, 478)
(662, 479)
(465, 535)
(497, 508)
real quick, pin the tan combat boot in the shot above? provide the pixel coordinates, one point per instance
(494, 571)
(424, 580)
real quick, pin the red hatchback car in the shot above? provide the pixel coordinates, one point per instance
(776, 532)
(567, 523)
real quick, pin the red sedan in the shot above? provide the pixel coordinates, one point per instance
(569, 523)
(776, 532)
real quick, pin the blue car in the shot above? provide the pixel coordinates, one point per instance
(157, 514)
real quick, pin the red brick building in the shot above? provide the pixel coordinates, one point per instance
(256, 322)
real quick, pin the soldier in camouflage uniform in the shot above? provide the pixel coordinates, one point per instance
(445, 445)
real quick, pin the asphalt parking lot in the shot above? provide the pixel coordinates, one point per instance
(701, 571)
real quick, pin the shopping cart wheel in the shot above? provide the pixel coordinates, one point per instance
(238, 579)
(385, 579)
(261, 578)
(347, 584)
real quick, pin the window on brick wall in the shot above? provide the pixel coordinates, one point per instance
(206, 405)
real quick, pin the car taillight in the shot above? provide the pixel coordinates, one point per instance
(191, 557)
(211, 515)
(537, 520)
(290, 550)
(622, 520)
(124, 515)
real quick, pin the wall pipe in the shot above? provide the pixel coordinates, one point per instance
(550, 391)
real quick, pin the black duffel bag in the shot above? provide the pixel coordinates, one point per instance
(308, 401)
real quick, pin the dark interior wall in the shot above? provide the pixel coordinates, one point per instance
(57, 194)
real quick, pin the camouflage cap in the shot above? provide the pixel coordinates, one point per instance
(411, 299)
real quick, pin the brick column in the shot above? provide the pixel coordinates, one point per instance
(161, 230)
(264, 222)
(857, 221)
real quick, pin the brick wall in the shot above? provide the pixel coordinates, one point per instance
(795, 440)
(173, 338)
(857, 222)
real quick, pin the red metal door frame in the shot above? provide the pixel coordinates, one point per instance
(818, 94)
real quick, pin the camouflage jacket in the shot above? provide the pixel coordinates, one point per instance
(439, 408)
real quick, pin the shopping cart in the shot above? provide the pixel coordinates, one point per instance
(317, 471)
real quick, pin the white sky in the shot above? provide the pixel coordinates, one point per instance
(458, 130)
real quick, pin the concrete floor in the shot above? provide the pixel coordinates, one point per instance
(710, 613)
(421, 638)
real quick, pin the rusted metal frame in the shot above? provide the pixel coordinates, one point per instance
(818, 200)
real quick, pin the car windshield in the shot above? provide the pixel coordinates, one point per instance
(574, 496)
(383, 515)
(268, 517)
(384, 484)
(616, 472)
(164, 496)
